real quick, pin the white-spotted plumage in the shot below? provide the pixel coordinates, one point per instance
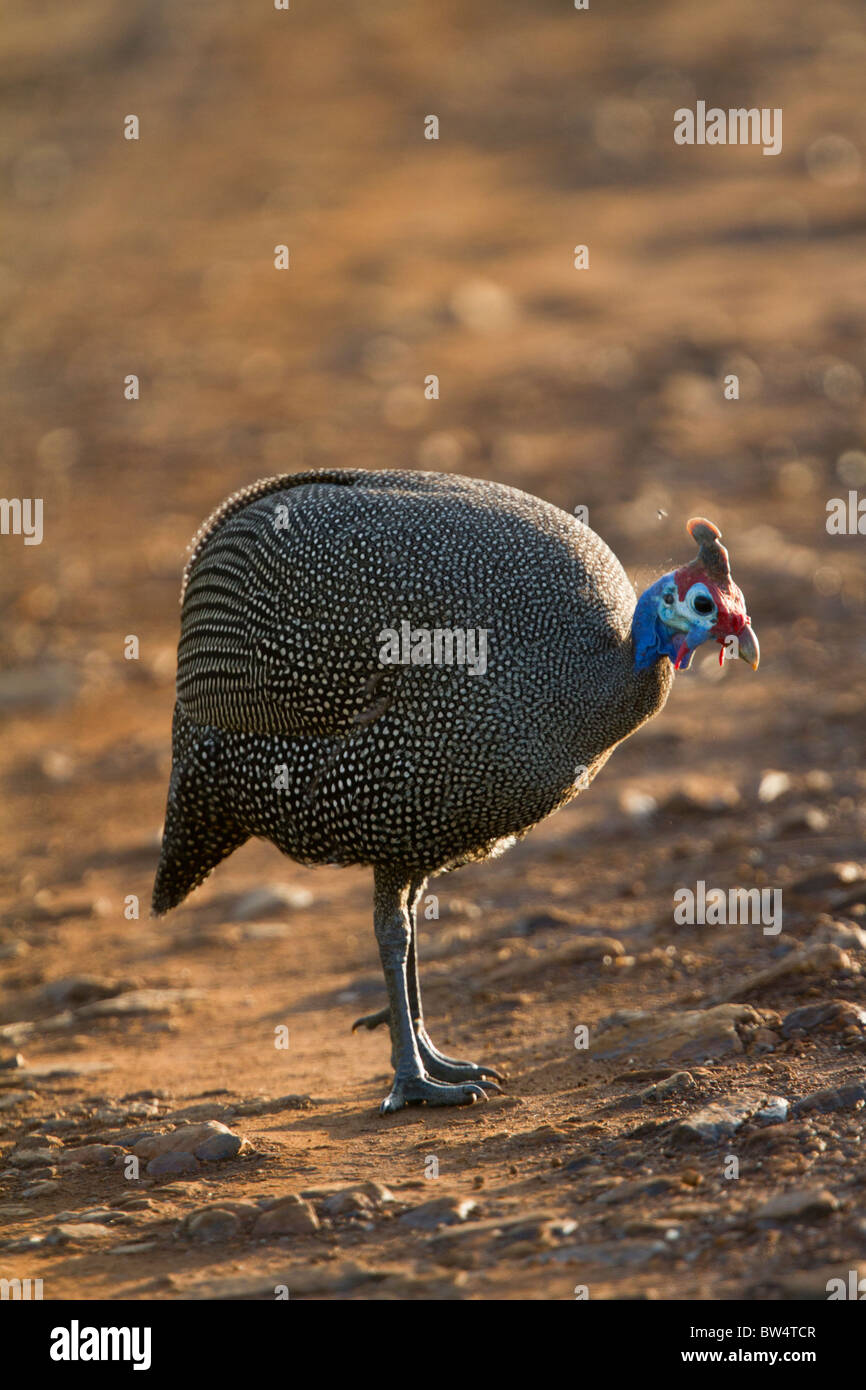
(289, 726)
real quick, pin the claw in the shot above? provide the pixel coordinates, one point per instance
(491, 1072)
(420, 1090)
(450, 1071)
(443, 1068)
(372, 1021)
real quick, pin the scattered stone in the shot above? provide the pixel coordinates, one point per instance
(172, 1165)
(142, 1109)
(636, 804)
(639, 1187)
(123, 1138)
(764, 1040)
(381, 1195)
(773, 785)
(139, 1001)
(835, 1015)
(441, 1211)
(849, 1097)
(46, 1188)
(100, 1214)
(93, 1153)
(615, 1253)
(693, 1035)
(377, 1192)
(263, 1106)
(791, 1206)
(799, 818)
(638, 1074)
(73, 1232)
(131, 1201)
(72, 990)
(680, 1084)
(220, 1146)
(819, 958)
(466, 1233)
(574, 952)
(109, 1115)
(526, 1239)
(718, 1120)
(349, 1202)
(31, 1158)
(291, 1216)
(262, 902)
(42, 1140)
(244, 1210)
(775, 1112)
(208, 1142)
(137, 1248)
(844, 934)
(215, 1223)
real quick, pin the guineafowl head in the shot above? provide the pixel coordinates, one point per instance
(684, 608)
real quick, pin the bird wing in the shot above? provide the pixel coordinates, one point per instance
(269, 642)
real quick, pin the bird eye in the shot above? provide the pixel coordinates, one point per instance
(702, 603)
(668, 598)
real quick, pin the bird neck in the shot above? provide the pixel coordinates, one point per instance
(651, 639)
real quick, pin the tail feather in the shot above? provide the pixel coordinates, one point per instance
(199, 832)
(186, 861)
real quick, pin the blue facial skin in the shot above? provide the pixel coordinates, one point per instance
(662, 622)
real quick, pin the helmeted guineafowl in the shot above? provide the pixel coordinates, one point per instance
(409, 670)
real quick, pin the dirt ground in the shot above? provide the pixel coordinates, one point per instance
(694, 1161)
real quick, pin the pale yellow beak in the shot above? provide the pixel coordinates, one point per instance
(748, 647)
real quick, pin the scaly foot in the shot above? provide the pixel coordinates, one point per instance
(443, 1068)
(420, 1090)
(436, 1063)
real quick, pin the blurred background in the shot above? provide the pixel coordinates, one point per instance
(409, 257)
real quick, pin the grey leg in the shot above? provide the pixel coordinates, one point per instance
(435, 1064)
(392, 920)
(371, 1021)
